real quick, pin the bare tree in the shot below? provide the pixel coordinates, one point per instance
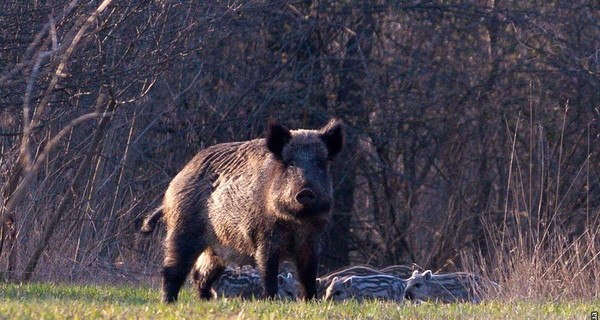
(469, 124)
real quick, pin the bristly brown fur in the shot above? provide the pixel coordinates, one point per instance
(259, 201)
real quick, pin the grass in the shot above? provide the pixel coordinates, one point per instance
(59, 301)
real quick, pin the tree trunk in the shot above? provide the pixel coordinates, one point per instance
(350, 102)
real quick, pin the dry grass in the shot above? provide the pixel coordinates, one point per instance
(539, 250)
(554, 270)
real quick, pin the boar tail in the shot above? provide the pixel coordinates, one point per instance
(150, 221)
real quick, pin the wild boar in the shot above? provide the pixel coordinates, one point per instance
(401, 271)
(323, 282)
(448, 287)
(245, 282)
(376, 286)
(258, 201)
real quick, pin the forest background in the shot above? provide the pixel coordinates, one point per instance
(473, 138)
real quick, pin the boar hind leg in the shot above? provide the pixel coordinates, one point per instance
(181, 251)
(207, 270)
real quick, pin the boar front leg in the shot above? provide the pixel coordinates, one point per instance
(306, 264)
(267, 259)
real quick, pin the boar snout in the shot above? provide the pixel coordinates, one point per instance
(306, 197)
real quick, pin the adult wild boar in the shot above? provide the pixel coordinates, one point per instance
(261, 201)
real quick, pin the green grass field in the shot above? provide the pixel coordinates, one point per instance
(47, 301)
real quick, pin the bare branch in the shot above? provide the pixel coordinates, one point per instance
(17, 195)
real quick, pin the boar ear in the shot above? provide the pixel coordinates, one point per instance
(277, 137)
(348, 282)
(427, 275)
(333, 136)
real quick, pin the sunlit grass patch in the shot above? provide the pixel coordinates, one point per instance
(59, 301)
